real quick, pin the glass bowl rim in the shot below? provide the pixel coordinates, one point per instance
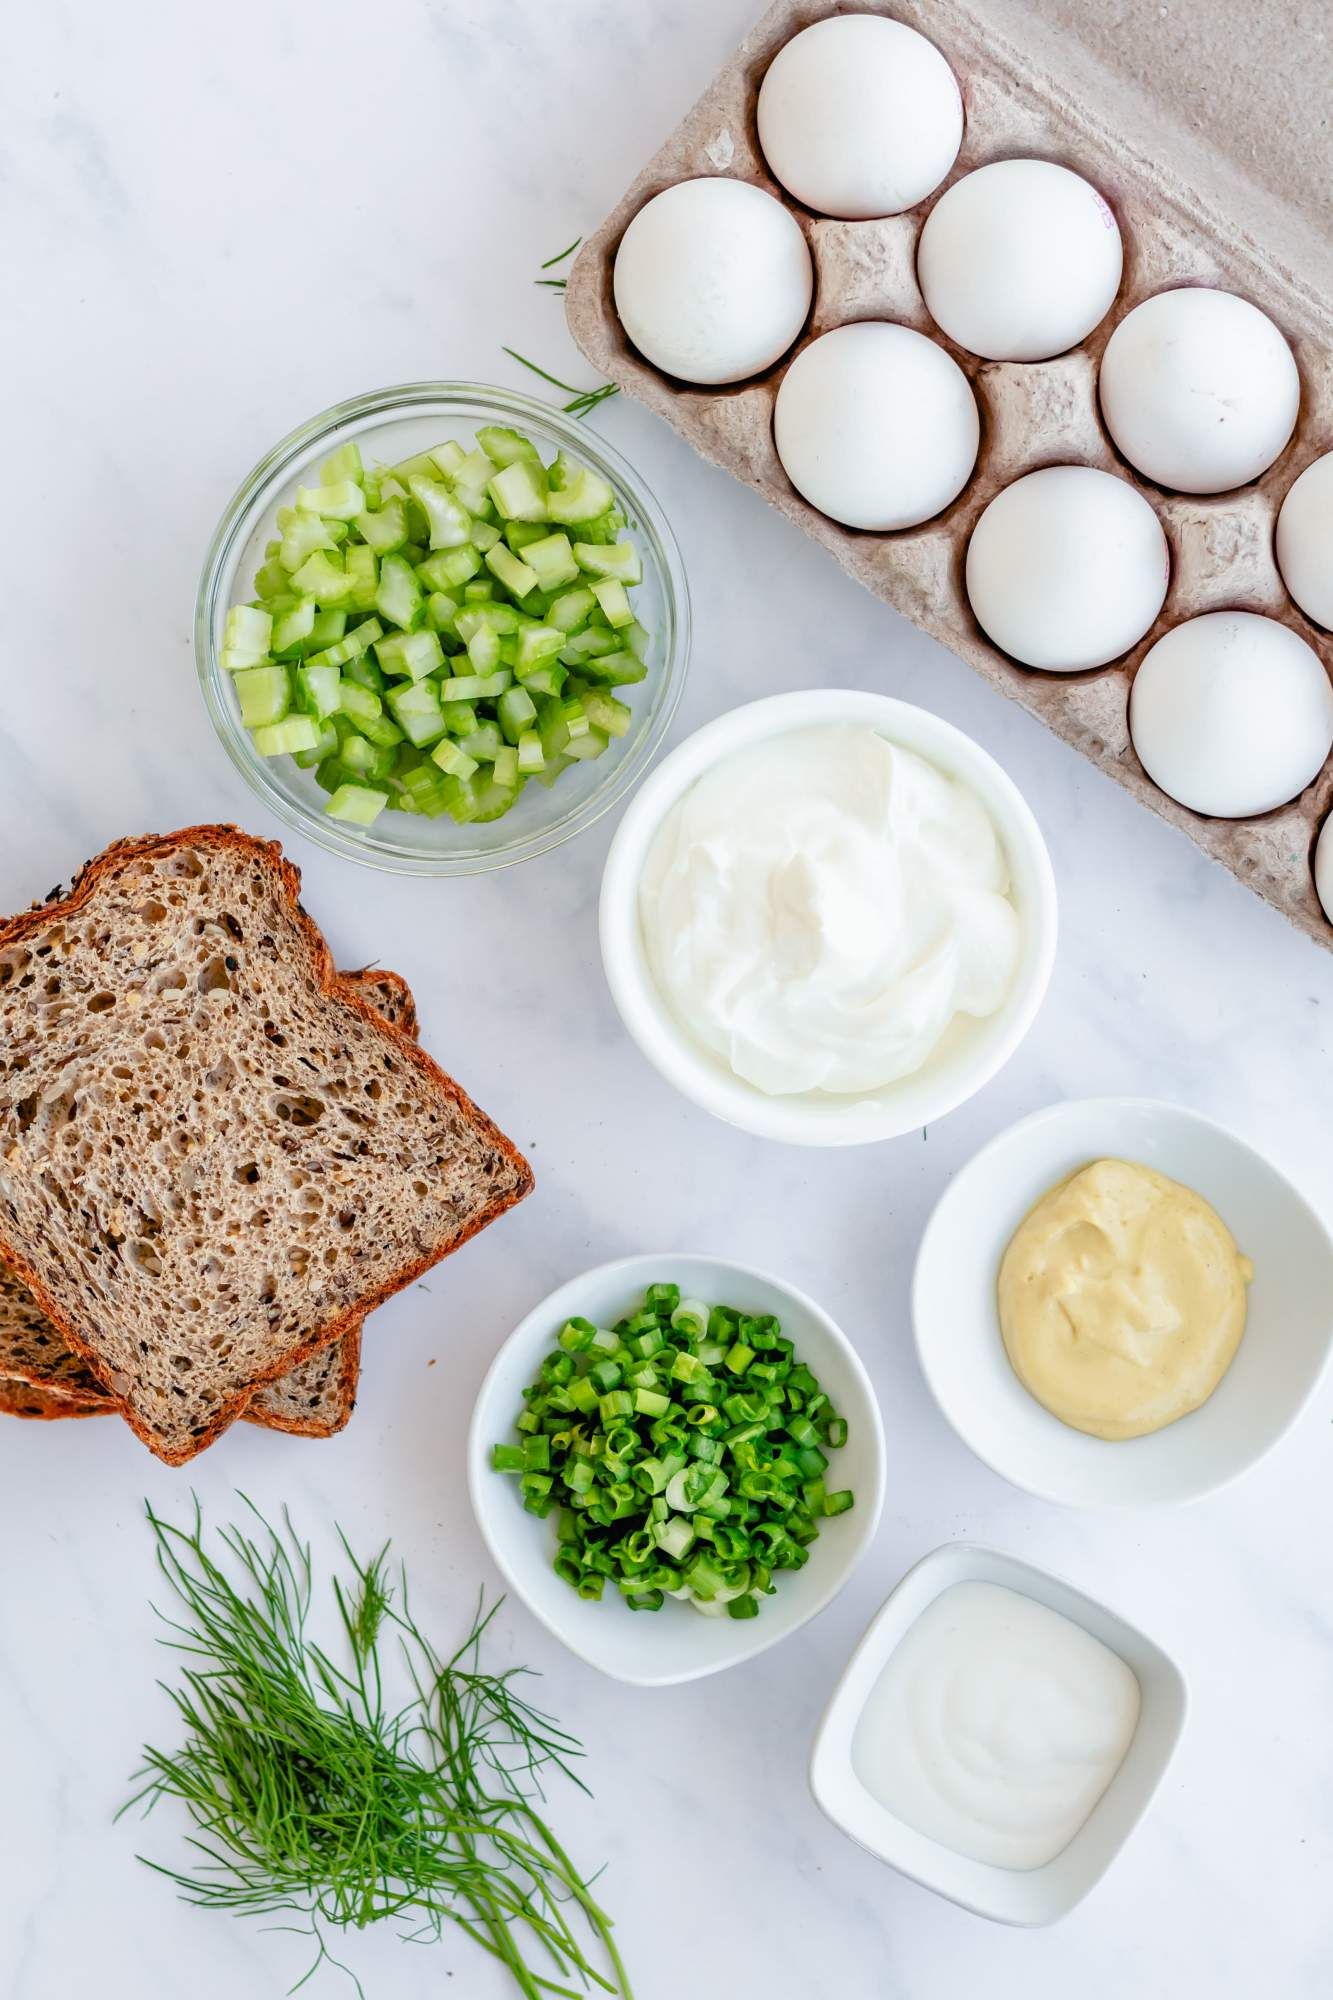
(360, 414)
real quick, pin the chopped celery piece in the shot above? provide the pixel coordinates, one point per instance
(345, 463)
(442, 614)
(483, 649)
(460, 717)
(604, 712)
(305, 534)
(323, 577)
(325, 747)
(575, 719)
(613, 597)
(342, 501)
(285, 738)
(477, 687)
(415, 654)
(359, 805)
(571, 609)
(518, 534)
(385, 531)
(577, 494)
(531, 756)
(447, 457)
(350, 647)
(415, 707)
(364, 672)
(516, 575)
(271, 580)
(362, 566)
(248, 630)
(553, 560)
(637, 638)
(537, 643)
(589, 745)
(484, 534)
(319, 689)
(484, 743)
(450, 569)
(548, 678)
(293, 628)
(516, 711)
(365, 759)
(618, 559)
(327, 629)
(506, 767)
(359, 704)
(614, 669)
(503, 445)
(453, 759)
(519, 491)
(584, 645)
(501, 619)
(450, 524)
(265, 694)
(471, 477)
(399, 597)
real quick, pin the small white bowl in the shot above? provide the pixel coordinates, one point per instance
(1282, 1355)
(1006, 1895)
(659, 1648)
(970, 1053)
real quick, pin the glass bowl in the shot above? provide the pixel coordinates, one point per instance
(393, 424)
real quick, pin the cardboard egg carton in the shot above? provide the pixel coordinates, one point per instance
(1208, 134)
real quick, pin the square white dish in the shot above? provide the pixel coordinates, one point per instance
(1028, 1897)
(1279, 1363)
(676, 1643)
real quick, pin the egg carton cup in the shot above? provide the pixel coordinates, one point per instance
(1185, 213)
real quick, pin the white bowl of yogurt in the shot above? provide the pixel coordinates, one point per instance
(828, 918)
(997, 1735)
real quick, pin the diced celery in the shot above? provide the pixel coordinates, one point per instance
(619, 559)
(323, 577)
(614, 669)
(350, 647)
(247, 630)
(359, 805)
(450, 524)
(477, 687)
(359, 704)
(585, 645)
(421, 465)
(415, 654)
(613, 597)
(325, 747)
(453, 759)
(483, 743)
(637, 638)
(519, 491)
(575, 720)
(537, 643)
(363, 568)
(570, 609)
(531, 756)
(365, 759)
(327, 630)
(271, 581)
(577, 494)
(553, 559)
(547, 679)
(483, 649)
(345, 463)
(363, 671)
(518, 534)
(264, 693)
(606, 528)
(416, 709)
(604, 712)
(484, 535)
(293, 628)
(460, 717)
(502, 619)
(342, 501)
(516, 576)
(381, 730)
(450, 569)
(386, 531)
(442, 614)
(318, 689)
(285, 738)
(399, 597)
(305, 534)
(590, 744)
(503, 445)
(516, 711)
(447, 457)
(470, 477)
(553, 767)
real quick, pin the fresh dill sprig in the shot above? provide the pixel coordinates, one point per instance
(311, 1795)
(582, 401)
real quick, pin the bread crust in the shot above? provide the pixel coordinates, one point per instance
(226, 838)
(22, 1399)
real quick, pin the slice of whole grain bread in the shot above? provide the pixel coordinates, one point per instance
(314, 1400)
(21, 1399)
(215, 1158)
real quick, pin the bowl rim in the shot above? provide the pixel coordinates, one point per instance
(966, 1560)
(646, 1015)
(354, 416)
(482, 1490)
(1054, 1114)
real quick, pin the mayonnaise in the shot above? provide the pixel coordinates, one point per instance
(819, 907)
(996, 1726)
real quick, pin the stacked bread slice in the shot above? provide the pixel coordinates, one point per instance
(217, 1153)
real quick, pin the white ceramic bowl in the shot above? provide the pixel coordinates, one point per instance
(658, 1648)
(1277, 1367)
(1009, 1896)
(971, 1052)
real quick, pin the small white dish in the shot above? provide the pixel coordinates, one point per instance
(1009, 1896)
(971, 1052)
(660, 1648)
(1288, 1333)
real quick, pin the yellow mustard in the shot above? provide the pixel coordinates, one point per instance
(1122, 1300)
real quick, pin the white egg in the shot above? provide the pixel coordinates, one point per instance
(1323, 867)
(1305, 541)
(713, 280)
(1199, 390)
(1231, 714)
(860, 116)
(876, 426)
(1019, 260)
(1067, 568)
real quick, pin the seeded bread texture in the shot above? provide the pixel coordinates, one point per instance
(314, 1400)
(215, 1158)
(21, 1399)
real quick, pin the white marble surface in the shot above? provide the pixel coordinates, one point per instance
(213, 225)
